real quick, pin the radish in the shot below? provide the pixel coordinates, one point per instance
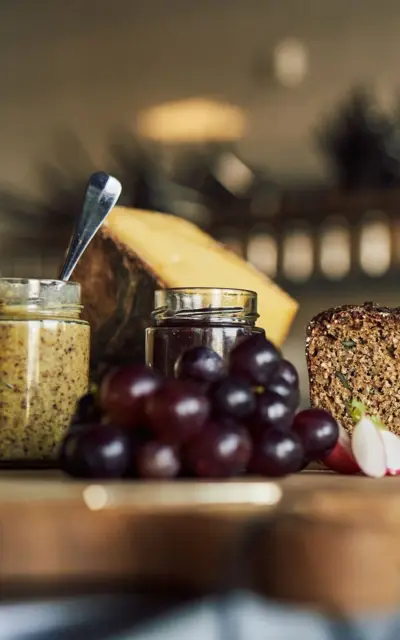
(368, 448)
(391, 443)
(341, 458)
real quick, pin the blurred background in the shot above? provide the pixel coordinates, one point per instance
(275, 126)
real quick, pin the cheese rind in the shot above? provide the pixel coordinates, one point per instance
(186, 256)
(138, 251)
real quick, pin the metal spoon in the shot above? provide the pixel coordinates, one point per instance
(101, 195)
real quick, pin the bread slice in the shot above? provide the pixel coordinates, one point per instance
(353, 353)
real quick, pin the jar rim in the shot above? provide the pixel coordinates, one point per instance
(45, 281)
(225, 289)
(205, 305)
(44, 293)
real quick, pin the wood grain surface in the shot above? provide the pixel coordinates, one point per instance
(315, 538)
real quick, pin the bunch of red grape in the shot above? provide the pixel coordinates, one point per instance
(213, 420)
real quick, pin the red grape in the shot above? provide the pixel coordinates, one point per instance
(177, 411)
(286, 371)
(290, 395)
(138, 438)
(276, 453)
(221, 450)
(304, 464)
(157, 460)
(231, 397)
(272, 411)
(123, 393)
(200, 364)
(98, 451)
(75, 427)
(254, 360)
(87, 410)
(65, 444)
(318, 431)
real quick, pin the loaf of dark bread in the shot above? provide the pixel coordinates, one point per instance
(353, 353)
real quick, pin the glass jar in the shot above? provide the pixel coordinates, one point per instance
(185, 318)
(44, 367)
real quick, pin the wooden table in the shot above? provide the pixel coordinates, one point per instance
(315, 538)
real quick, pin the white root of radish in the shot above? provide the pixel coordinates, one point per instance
(391, 444)
(368, 448)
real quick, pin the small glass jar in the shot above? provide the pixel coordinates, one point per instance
(189, 317)
(44, 367)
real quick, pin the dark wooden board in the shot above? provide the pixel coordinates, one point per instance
(315, 538)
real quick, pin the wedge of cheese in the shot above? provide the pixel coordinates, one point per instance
(136, 252)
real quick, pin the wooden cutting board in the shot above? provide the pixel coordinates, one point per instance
(314, 538)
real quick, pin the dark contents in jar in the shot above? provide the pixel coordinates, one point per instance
(165, 344)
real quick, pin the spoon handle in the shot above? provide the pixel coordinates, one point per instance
(101, 195)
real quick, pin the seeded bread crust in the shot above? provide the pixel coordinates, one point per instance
(353, 352)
